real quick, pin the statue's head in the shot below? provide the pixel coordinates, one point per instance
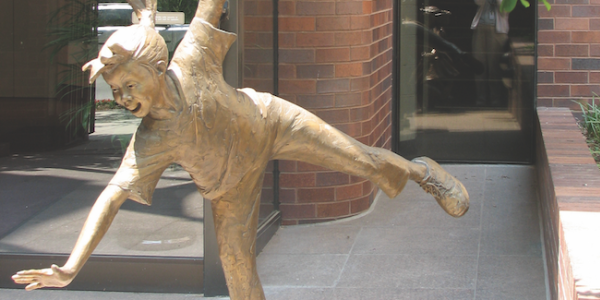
(132, 61)
(133, 43)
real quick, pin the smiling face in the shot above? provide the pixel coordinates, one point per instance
(135, 87)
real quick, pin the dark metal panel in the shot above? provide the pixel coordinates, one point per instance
(396, 77)
(7, 53)
(214, 278)
(267, 230)
(116, 273)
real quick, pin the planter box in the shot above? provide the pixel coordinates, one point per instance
(569, 188)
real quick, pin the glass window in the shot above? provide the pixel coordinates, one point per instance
(52, 221)
(45, 196)
(465, 81)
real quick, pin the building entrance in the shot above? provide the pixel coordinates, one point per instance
(464, 81)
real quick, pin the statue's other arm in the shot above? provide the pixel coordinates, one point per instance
(210, 11)
(145, 10)
(101, 216)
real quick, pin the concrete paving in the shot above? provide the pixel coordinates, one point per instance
(403, 248)
(408, 248)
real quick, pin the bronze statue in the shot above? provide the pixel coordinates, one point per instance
(224, 137)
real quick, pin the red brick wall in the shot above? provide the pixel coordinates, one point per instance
(258, 45)
(258, 70)
(568, 52)
(336, 61)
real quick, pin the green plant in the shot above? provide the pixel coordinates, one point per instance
(509, 5)
(591, 118)
(72, 35)
(75, 21)
(78, 116)
(590, 124)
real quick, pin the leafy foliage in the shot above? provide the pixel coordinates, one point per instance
(590, 124)
(509, 5)
(75, 21)
(72, 31)
(591, 120)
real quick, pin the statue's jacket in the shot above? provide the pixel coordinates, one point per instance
(219, 134)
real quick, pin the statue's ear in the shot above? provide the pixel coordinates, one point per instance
(161, 66)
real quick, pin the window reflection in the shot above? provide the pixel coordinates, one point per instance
(466, 81)
(490, 46)
(50, 194)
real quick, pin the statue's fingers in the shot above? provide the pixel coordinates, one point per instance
(22, 279)
(30, 272)
(33, 286)
(35, 272)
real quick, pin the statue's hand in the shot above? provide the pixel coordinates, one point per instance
(51, 277)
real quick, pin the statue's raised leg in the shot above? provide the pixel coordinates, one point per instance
(305, 137)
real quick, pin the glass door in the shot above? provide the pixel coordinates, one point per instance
(45, 197)
(464, 81)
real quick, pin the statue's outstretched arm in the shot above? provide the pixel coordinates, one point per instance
(210, 11)
(101, 216)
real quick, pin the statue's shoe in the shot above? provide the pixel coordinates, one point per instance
(450, 193)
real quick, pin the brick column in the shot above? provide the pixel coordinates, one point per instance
(336, 61)
(258, 58)
(568, 53)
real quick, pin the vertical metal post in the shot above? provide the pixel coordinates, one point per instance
(214, 277)
(276, 92)
(397, 22)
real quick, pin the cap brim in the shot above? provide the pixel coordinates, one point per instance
(94, 66)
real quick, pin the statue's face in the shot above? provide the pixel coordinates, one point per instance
(134, 87)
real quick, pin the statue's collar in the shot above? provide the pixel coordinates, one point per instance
(217, 41)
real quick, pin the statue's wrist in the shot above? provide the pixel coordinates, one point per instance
(68, 272)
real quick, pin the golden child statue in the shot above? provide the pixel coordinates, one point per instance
(224, 137)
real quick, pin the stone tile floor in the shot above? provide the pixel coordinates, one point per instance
(407, 248)
(404, 248)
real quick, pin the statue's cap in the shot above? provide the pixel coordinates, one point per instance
(121, 46)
